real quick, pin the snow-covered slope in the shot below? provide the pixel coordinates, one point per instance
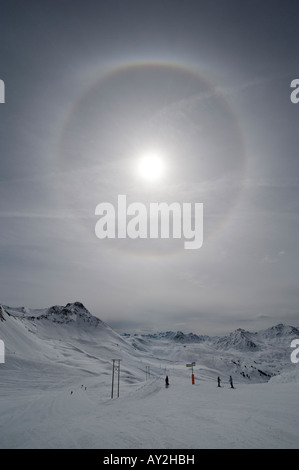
(56, 385)
(63, 336)
(250, 356)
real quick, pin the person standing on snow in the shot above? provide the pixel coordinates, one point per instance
(219, 382)
(231, 381)
(166, 381)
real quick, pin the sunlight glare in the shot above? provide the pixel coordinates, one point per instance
(151, 167)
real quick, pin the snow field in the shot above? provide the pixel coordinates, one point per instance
(55, 387)
(147, 415)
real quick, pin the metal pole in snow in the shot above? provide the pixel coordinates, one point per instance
(118, 378)
(115, 367)
(192, 374)
(113, 361)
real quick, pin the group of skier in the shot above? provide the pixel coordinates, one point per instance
(230, 381)
(218, 381)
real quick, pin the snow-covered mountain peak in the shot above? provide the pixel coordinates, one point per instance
(238, 339)
(279, 331)
(75, 308)
(74, 312)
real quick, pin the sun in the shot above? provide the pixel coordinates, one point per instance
(151, 167)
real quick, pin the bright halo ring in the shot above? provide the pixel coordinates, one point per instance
(150, 167)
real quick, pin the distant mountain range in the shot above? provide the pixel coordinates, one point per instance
(239, 339)
(71, 336)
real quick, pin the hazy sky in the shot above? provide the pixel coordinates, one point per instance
(93, 86)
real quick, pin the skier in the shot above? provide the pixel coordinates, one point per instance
(219, 382)
(231, 382)
(166, 381)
